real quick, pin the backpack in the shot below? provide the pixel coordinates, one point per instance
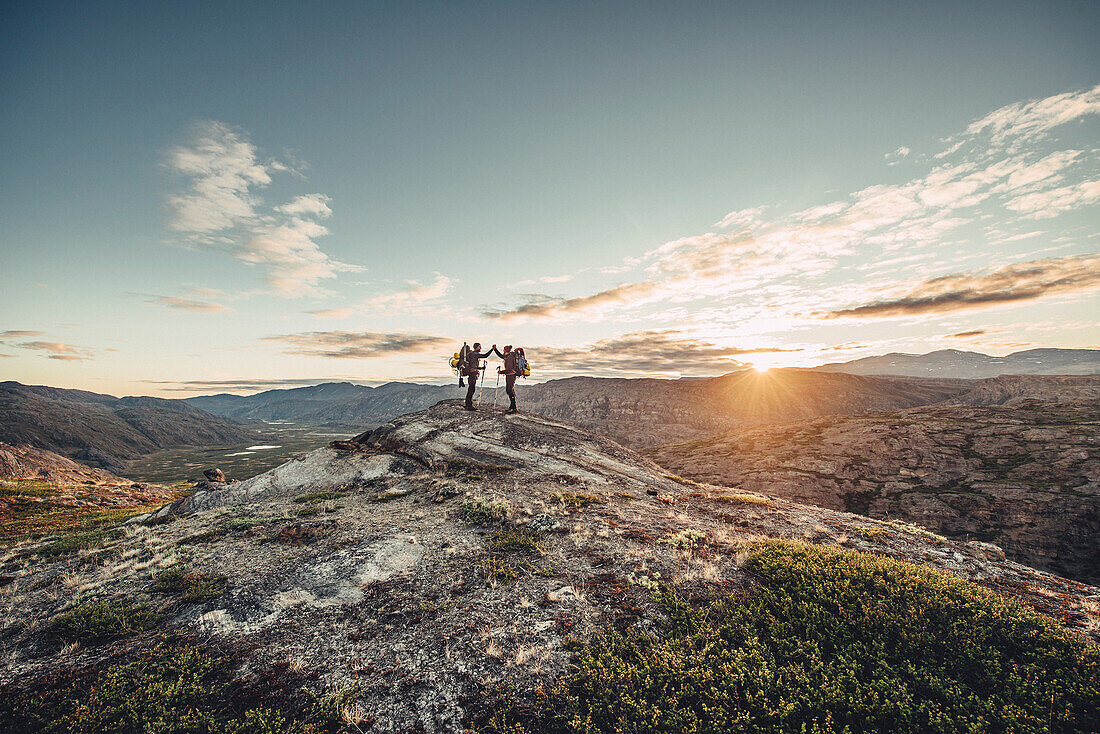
(523, 367)
(461, 360)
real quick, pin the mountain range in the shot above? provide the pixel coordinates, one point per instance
(104, 431)
(974, 365)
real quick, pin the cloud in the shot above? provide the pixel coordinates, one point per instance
(1014, 124)
(539, 306)
(1009, 284)
(1004, 169)
(333, 313)
(965, 334)
(188, 304)
(57, 350)
(1046, 204)
(310, 205)
(52, 350)
(414, 294)
(222, 210)
(646, 353)
(357, 345)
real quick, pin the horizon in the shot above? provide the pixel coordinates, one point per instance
(250, 391)
(627, 192)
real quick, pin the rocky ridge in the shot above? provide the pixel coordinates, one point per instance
(1026, 476)
(375, 563)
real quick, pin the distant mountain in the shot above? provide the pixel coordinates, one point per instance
(104, 431)
(954, 363)
(331, 402)
(635, 412)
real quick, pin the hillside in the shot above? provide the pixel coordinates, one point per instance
(635, 412)
(954, 363)
(1026, 477)
(104, 431)
(449, 570)
(329, 403)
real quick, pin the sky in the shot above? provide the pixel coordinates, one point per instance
(214, 197)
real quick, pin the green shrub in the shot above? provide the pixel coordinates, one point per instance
(578, 499)
(320, 497)
(99, 621)
(188, 586)
(482, 512)
(513, 538)
(834, 641)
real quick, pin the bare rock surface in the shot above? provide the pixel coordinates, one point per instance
(384, 563)
(1025, 476)
(28, 462)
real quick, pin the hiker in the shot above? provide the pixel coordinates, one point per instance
(514, 363)
(471, 368)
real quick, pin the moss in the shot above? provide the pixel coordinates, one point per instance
(831, 641)
(871, 533)
(320, 497)
(100, 621)
(187, 585)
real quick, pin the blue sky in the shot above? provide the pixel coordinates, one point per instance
(197, 197)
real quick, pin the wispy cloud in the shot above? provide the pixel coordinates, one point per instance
(50, 349)
(57, 350)
(221, 209)
(965, 334)
(988, 181)
(357, 345)
(1012, 283)
(181, 303)
(654, 353)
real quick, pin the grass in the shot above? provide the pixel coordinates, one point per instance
(514, 539)
(99, 621)
(171, 688)
(188, 586)
(206, 536)
(482, 512)
(836, 641)
(577, 499)
(319, 497)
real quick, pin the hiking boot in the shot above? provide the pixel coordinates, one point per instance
(470, 407)
(512, 410)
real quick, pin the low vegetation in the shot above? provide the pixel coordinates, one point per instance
(187, 585)
(482, 512)
(171, 688)
(99, 621)
(830, 640)
(319, 497)
(834, 641)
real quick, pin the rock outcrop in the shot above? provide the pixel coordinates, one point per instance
(446, 553)
(28, 462)
(1026, 477)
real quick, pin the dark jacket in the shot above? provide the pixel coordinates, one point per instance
(470, 367)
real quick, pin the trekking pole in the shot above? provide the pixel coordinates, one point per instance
(481, 392)
(496, 389)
